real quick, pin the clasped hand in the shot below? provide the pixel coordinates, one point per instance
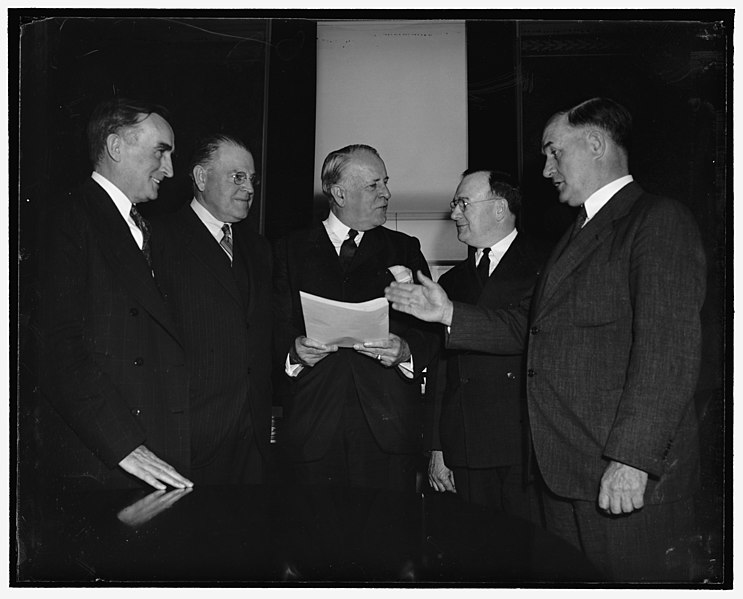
(388, 352)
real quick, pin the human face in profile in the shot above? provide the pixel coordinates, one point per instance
(569, 162)
(227, 186)
(362, 196)
(146, 158)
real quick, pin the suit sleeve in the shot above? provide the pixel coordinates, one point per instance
(667, 288)
(477, 328)
(76, 386)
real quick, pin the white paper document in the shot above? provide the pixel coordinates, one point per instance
(344, 323)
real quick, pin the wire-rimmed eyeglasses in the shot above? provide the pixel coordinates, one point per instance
(463, 202)
(240, 178)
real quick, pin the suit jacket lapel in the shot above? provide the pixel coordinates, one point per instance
(567, 257)
(200, 242)
(244, 246)
(126, 260)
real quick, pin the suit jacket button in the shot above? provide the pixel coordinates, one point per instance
(534, 330)
(136, 411)
(138, 361)
(134, 311)
(510, 375)
(530, 372)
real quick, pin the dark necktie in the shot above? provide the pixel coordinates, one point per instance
(579, 222)
(348, 248)
(226, 241)
(483, 268)
(142, 225)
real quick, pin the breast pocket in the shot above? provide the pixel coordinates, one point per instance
(600, 294)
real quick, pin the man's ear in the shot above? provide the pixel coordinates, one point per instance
(113, 146)
(596, 139)
(199, 177)
(339, 195)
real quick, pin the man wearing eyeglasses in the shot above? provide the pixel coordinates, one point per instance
(215, 273)
(476, 401)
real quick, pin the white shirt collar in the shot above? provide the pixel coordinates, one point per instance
(123, 204)
(337, 231)
(212, 224)
(600, 197)
(499, 248)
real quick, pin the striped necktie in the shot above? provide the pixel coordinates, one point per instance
(226, 241)
(142, 226)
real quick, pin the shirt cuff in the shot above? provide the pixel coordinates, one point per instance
(407, 368)
(292, 369)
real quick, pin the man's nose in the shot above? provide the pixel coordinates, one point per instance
(166, 165)
(385, 191)
(456, 212)
(549, 167)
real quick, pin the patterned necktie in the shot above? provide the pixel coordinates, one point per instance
(226, 241)
(579, 222)
(142, 225)
(483, 268)
(348, 249)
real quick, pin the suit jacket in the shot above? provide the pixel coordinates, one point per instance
(614, 348)
(111, 358)
(307, 261)
(477, 406)
(224, 314)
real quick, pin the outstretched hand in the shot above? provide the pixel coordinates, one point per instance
(427, 301)
(146, 466)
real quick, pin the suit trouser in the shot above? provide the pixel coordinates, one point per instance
(354, 458)
(650, 544)
(501, 488)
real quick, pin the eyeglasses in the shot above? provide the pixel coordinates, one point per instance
(463, 203)
(240, 179)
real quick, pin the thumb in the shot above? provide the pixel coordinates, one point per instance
(424, 280)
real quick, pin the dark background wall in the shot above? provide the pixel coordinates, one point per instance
(254, 74)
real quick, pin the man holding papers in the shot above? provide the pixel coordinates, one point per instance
(351, 414)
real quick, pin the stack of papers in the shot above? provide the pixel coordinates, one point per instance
(343, 323)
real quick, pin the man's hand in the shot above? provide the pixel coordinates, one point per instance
(427, 301)
(148, 507)
(310, 352)
(439, 476)
(146, 466)
(390, 352)
(622, 488)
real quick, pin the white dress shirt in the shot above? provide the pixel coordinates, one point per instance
(123, 205)
(497, 251)
(600, 197)
(338, 232)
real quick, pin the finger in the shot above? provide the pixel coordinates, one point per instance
(626, 500)
(424, 280)
(604, 501)
(637, 501)
(616, 504)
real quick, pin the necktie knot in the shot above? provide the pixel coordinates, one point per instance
(348, 248)
(483, 267)
(144, 227)
(226, 241)
(579, 222)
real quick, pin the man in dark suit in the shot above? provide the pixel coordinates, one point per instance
(353, 414)
(476, 414)
(215, 273)
(614, 351)
(112, 361)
